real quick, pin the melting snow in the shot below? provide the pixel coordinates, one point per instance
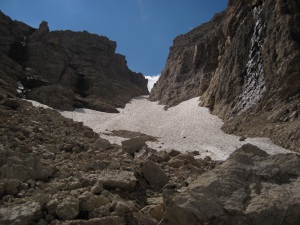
(185, 127)
(254, 85)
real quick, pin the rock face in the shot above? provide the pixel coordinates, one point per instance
(65, 69)
(244, 65)
(251, 187)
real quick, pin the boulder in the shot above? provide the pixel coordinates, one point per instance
(153, 211)
(250, 187)
(25, 167)
(10, 186)
(112, 179)
(68, 209)
(21, 214)
(134, 144)
(94, 202)
(11, 103)
(154, 174)
(102, 144)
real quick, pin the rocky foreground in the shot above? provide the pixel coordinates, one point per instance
(57, 171)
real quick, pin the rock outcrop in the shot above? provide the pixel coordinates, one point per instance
(244, 65)
(65, 69)
(250, 187)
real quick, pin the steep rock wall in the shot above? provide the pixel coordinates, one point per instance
(248, 70)
(66, 69)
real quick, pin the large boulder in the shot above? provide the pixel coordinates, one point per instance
(154, 174)
(250, 187)
(26, 166)
(112, 179)
(134, 144)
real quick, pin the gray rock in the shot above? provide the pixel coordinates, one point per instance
(111, 179)
(97, 188)
(154, 174)
(94, 202)
(134, 144)
(68, 209)
(10, 186)
(103, 144)
(52, 206)
(20, 214)
(153, 211)
(250, 187)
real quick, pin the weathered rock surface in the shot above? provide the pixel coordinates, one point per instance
(250, 187)
(244, 65)
(22, 214)
(65, 69)
(68, 208)
(134, 144)
(154, 174)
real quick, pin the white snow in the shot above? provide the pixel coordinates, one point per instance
(185, 127)
(20, 87)
(151, 81)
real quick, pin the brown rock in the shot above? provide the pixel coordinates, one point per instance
(154, 174)
(134, 144)
(68, 209)
(259, 196)
(83, 68)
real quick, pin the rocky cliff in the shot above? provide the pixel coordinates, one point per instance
(244, 64)
(65, 69)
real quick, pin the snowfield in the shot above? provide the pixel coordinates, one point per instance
(185, 127)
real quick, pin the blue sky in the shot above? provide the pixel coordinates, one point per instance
(143, 29)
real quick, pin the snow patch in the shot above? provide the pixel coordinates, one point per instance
(151, 81)
(185, 127)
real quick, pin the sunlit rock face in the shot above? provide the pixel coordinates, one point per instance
(66, 69)
(244, 64)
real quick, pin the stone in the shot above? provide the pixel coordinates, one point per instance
(112, 179)
(10, 186)
(100, 212)
(23, 214)
(52, 206)
(134, 144)
(97, 188)
(175, 163)
(250, 187)
(154, 174)
(68, 209)
(154, 211)
(94, 202)
(102, 144)
(108, 220)
(11, 103)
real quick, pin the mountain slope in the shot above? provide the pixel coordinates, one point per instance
(66, 69)
(244, 64)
